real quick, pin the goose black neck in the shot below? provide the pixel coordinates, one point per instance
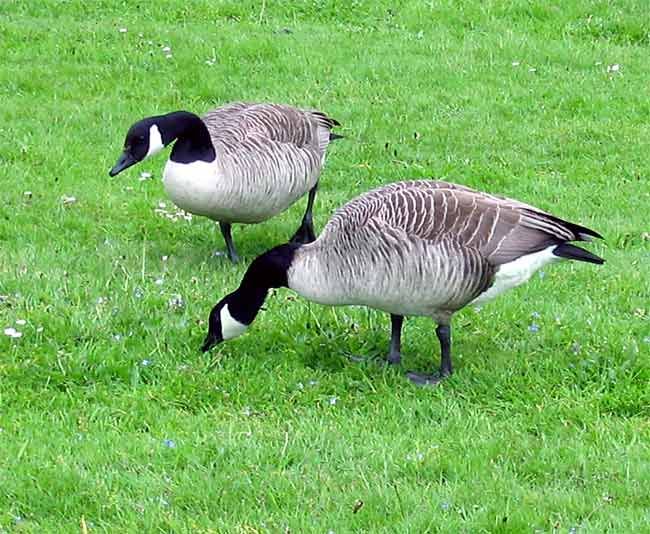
(267, 271)
(193, 141)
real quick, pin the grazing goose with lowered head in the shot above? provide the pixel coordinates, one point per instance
(241, 163)
(409, 248)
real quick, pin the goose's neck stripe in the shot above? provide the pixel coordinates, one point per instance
(230, 327)
(155, 141)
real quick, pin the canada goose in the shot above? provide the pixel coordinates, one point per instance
(409, 248)
(241, 163)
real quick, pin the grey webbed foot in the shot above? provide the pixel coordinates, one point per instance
(383, 361)
(421, 379)
(393, 358)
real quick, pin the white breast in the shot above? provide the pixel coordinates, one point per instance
(204, 188)
(192, 186)
(517, 272)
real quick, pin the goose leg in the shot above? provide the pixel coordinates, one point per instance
(225, 231)
(444, 336)
(305, 233)
(394, 353)
(394, 356)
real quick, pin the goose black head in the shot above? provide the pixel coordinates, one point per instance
(222, 324)
(144, 139)
(234, 313)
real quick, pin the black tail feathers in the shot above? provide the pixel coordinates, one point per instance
(571, 252)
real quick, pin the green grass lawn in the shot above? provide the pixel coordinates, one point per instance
(110, 418)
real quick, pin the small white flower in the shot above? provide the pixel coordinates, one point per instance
(21, 322)
(27, 194)
(167, 49)
(144, 176)
(12, 332)
(333, 400)
(168, 56)
(39, 329)
(515, 63)
(162, 205)
(145, 363)
(122, 30)
(416, 457)
(165, 258)
(176, 302)
(67, 200)
(613, 68)
(159, 281)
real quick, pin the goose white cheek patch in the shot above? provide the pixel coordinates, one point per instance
(230, 327)
(155, 141)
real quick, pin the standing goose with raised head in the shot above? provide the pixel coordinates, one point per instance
(410, 248)
(241, 163)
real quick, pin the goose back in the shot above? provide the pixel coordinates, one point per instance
(424, 247)
(274, 149)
